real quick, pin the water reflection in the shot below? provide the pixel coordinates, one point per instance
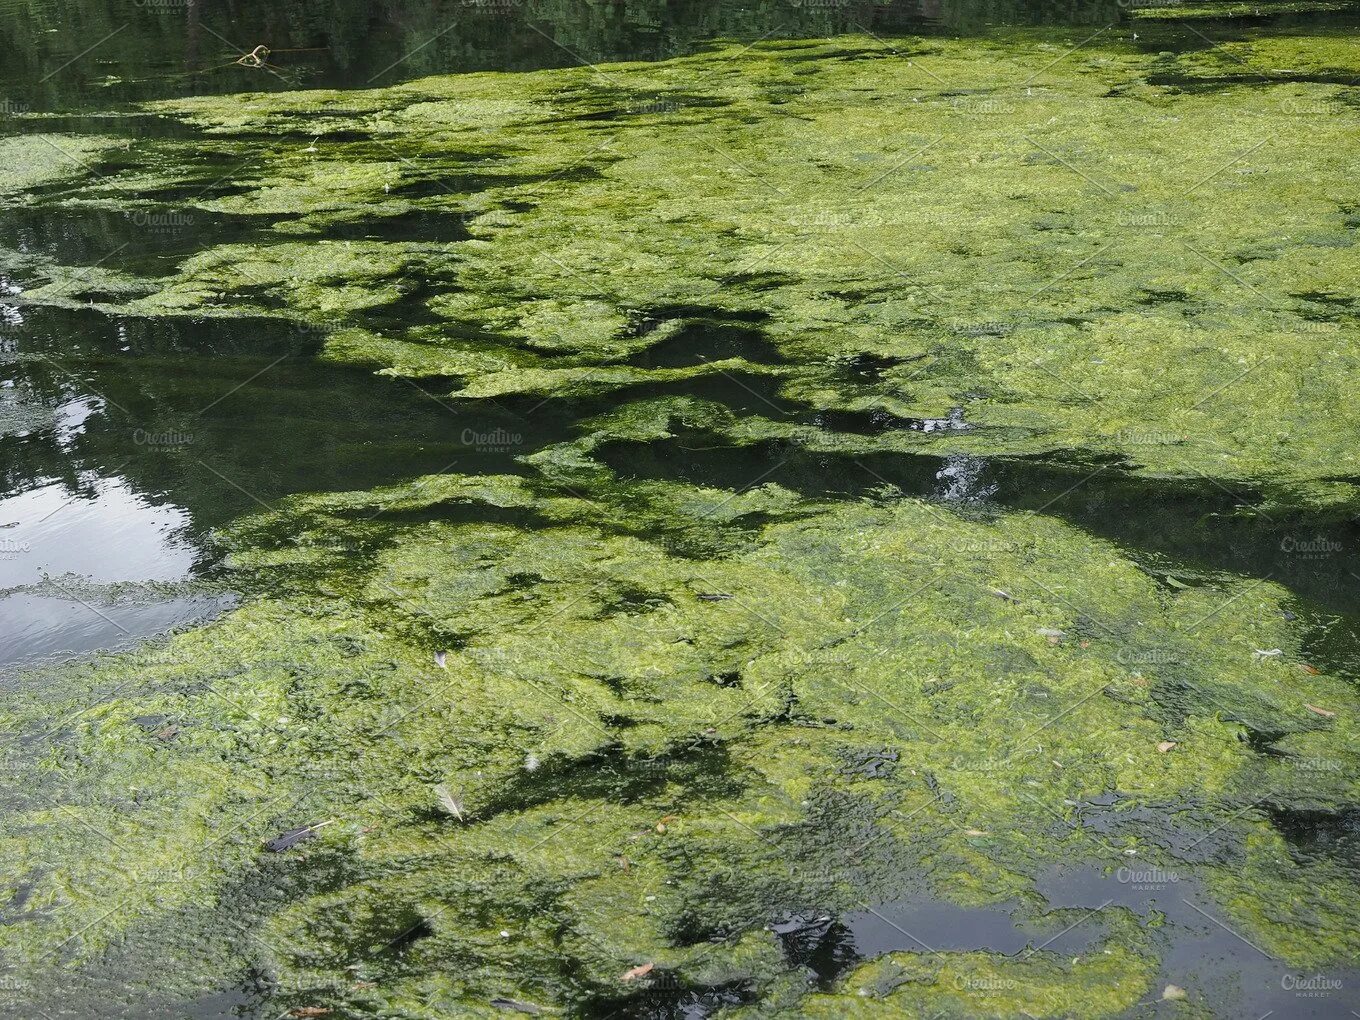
(1198, 953)
(124, 442)
(50, 628)
(60, 544)
(102, 530)
(141, 49)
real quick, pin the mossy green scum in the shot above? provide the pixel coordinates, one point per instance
(1017, 246)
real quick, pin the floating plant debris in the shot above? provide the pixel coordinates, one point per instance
(291, 838)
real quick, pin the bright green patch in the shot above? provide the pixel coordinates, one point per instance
(27, 161)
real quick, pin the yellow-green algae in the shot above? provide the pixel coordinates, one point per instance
(641, 768)
(653, 688)
(1022, 227)
(27, 161)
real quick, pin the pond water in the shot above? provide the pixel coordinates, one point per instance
(159, 48)
(134, 438)
(554, 471)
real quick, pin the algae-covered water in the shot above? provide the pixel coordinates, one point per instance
(676, 510)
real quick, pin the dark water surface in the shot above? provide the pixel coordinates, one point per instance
(65, 58)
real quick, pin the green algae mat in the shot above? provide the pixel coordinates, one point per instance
(900, 559)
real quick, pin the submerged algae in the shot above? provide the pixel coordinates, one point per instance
(36, 159)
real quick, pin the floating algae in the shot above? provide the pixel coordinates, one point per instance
(682, 706)
(992, 230)
(852, 629)
(36, 159)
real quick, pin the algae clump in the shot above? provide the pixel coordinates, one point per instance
(31, 160)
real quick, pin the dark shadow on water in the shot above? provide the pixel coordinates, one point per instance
(423, 225)
(699, 341)
(1174, 528)
(222, 415)
(125, 442)
(148, 241)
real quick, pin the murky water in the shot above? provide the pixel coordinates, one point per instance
(127, 442)
(1244, 977)
(173, 47)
